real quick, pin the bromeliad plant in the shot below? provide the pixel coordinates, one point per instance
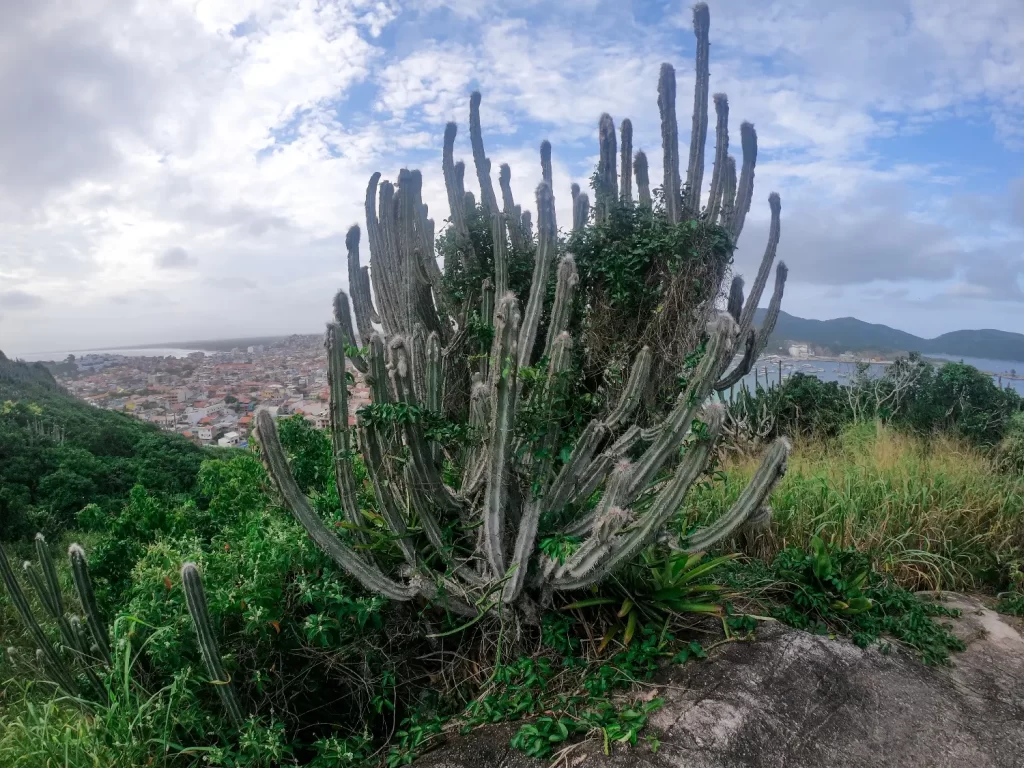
(465, 522)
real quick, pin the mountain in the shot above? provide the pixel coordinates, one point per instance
(848, 334)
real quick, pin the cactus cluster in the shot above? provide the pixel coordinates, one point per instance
(87, 646)
(469, 539)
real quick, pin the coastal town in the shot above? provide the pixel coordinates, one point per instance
(211, 397)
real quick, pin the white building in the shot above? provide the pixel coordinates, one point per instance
(799, 351)
(230, 440)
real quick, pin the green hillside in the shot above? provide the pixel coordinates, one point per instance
(848, 334)
(58, 454)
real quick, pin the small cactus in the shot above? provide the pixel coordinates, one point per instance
(195, 596)
(80, 574)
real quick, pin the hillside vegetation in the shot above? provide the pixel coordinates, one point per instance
(58, 455)
(848, 334)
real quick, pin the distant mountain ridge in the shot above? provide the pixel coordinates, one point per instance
(848, 334)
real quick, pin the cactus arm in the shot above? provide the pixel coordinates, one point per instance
(373, 455)
(499, 471)
(83, 584)
(425, 469)
(337, 381)
(434, 382)
(774, 307)
(722, 333)
(456, 195)
(51, 581)
(595, 474)
(580, 211)
(568, 478)
(479, 423)
(58, 670)
(274, 460)
(561, 309)
(630, 397)
(195, 597)
(500, 241)
(721, 157)
(728, 194)
(774, 232)
(483, 165)
(606, 191)
(545, 164)
(671, 185)
(699, 130)
(745, 188)
(512, 212)
(343, 319)
(643, 179)
(43, 589)
(487, 316)
(750, 503)
(626, 545)
(626, 160)
(735, 305)
(80, 646)
(546, 247)
(377, 375)
(418, 360)
(362, 303)
(528, 225)
(745, 365)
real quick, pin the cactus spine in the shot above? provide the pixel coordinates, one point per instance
(195, 596)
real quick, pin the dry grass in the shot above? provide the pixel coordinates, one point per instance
(935, 514)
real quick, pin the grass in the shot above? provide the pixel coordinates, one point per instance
(935, 514)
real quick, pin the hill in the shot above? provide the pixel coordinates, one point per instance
(848, 334)
(58, 454)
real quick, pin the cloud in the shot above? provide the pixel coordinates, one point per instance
(175, 258)
(230, 143)
(19, 300)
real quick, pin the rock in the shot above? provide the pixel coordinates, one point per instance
(794, 699)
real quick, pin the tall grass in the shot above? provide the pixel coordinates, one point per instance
(40, 727)
(935, 513)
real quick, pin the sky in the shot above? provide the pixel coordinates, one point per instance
(187, 169)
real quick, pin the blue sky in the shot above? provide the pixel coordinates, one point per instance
(187, 169)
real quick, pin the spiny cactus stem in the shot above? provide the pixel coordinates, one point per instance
(62, 676)
(745, 188)
(722, 333)
(80, 574)
(607, 175)
(456, 196)
(362, 302)
(195, 597)
(385, 494)
(568, 278)
(337, 379)
(735, 305)
(754, 298)
(728, 194)
(748, 505)
(721, 157)
(580, 211)
(505, 378)
(671, 185)
(280, 473)
(627, 545)
(626, 155)
(498, 237)
(547, 245)
(643, 179)
(52, 583)
(699, 130)
(513, 214)
(774, 307)
(483, 165)
(630, 397)
(745, 365)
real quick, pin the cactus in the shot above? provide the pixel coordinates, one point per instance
(643, 181)
(195, 597)
(669, 144)
(626, 154)
(607, 187)
(699, 130)
(83, 584)
(642, 462)
(745, 188)
(53, 663)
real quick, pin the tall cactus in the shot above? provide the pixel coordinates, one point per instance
(195, 597)
(639, 463)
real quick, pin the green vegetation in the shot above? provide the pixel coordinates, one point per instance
(58, 454)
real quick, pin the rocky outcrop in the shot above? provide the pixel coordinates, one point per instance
(794, 699)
